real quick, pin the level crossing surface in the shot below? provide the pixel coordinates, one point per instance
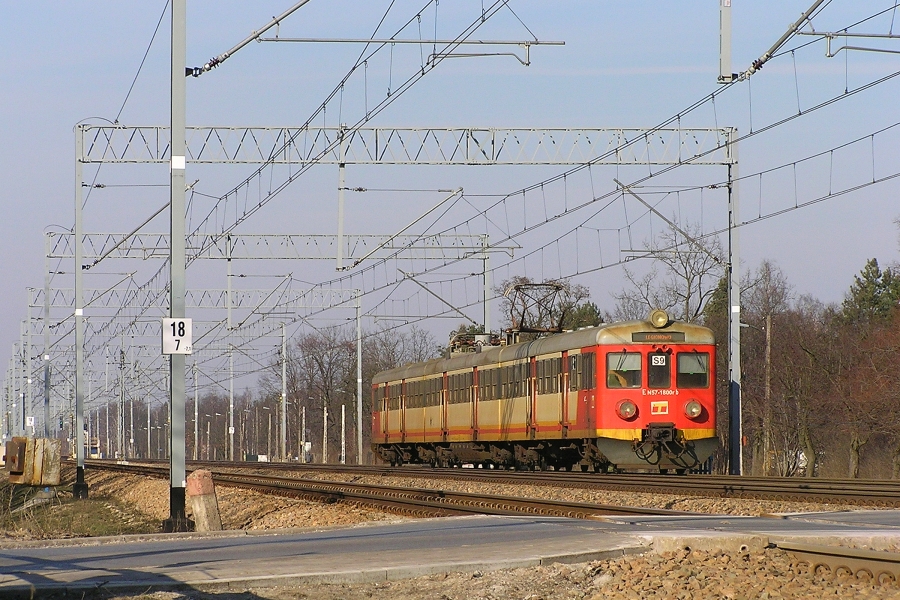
(409, 548)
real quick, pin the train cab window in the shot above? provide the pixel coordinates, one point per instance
(623, 370)
(693, 370)
(659, 370)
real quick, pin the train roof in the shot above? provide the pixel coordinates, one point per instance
(606, 334)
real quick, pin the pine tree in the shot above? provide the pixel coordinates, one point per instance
(873, 296)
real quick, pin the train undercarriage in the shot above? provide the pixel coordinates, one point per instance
(660, 449)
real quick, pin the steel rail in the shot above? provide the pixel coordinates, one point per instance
(412, 501)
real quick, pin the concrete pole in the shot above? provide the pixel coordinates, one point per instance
(79, 488)
(13, 391)
(735, 429)
(302, 437)
(131, 449)
(177, 520)
(29, 392)
(343, 434)
(324, 431)
(131, 453)
(90, 399)
(725, 74)
(19, 409)
(767, 419)
(359, 380)
(24, 377)
(149, 429)
(69, 410)
(340, 227)
(230, 352)
(47, 335)
(7, 402)
(120, 411)
(196, 413)
(486, 276)
(284, 455)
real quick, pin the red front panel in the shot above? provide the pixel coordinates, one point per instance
(660, 382)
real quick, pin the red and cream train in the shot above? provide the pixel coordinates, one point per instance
(628, 395)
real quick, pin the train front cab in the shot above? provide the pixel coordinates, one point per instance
(657, 406)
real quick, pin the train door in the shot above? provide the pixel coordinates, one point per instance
(549, 405)
(391, 417)
(445, 396)
(383, 398)
(583, 383)
(476, 401)
(403, 401)
(567, 403)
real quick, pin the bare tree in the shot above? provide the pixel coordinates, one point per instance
(691, 268)
(801, 382)
(321, 371)
(765, 295)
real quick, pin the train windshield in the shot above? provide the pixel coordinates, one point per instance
(693, 370)
(623, 370)
(659, 371)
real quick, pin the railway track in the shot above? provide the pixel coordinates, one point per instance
(401, 500)
(879, 493)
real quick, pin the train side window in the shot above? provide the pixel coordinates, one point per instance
(588, 381)
(541, 380)
(547, 379)
(488, 381)
(574, 372)
(693, 370)
(659, 370)
(623, 370)
(557, 375)
(526, 379)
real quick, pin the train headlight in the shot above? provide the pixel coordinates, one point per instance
(659, 318)
(693, 409)
(626, 409)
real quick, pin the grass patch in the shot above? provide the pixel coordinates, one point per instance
(65, 517)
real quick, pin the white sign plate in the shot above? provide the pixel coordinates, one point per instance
(176, 336)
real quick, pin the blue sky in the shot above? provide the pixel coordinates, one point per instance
(625, 64)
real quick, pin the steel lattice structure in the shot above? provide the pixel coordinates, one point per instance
(410, 146)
